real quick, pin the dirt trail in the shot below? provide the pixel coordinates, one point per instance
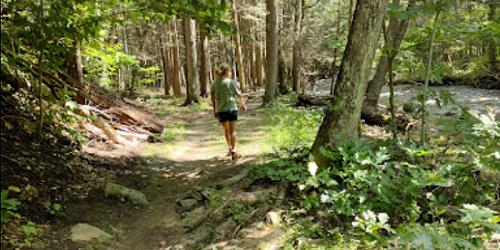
(197, 158)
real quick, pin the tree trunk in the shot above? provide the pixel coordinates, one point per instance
(272, 40)
(492, 50)
(296, 58)
(335, 51)
(258, 61)
(135, 71)
(350, 10)
(239, 55)
(204, 55)
(192, 78)
(126, 70)
(247, 46)
(342, 120)
(176, 79)
(395, 34)
(74, 62)
(282, 74)
(165, 67)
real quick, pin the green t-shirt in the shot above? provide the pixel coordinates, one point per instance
(225, 91)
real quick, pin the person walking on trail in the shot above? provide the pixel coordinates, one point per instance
(224, 93)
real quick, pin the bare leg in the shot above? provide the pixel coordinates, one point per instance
(227, 134)
(232, 131)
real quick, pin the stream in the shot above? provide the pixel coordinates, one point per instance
(477, 100)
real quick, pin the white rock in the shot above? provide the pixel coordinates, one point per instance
(274, 217)
(83, 232)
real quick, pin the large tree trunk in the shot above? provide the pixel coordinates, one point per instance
(193, 90)
(296, 58)
(142, 33)
(258, 61)
(204, 55)
(282, 74)
(74, 62)
(165, 67)
(342, 120)
(125, 71)
(272, 40)
(240, 67)
(166, 61)
(174, 51)
(247, 45)
(336, 50)
(395, 34)
(492, 50)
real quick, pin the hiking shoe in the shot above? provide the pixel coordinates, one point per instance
(235, 156)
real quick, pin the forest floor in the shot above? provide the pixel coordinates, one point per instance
(194, 158)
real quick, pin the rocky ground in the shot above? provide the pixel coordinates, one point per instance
(181, 195)
(187, 194)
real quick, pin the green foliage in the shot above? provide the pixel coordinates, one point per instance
(291, 127)
(8, 205)
(455, 235)
(418, 195)
(54, 208)
(30, 231)
(238, 211)
(173, 131)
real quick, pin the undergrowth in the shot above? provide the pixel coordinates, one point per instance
(386, 194)
(291, 127)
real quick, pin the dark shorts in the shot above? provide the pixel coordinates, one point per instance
(229, 116)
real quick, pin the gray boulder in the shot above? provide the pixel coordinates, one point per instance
(125, 193)
(83, 232)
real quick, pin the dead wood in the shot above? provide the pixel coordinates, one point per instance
(251, 198)
(308, 101)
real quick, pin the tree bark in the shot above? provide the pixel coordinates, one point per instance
(124, 72)
(192, 78)
(165, 66)
(135, 71)
(240, 66)
(335, 50)
(296, 58)
(204, 75)
(176, 76)
(258, 61)
(342, 120)
(492, 50)
(395, 35)
(282, 74)
(247, 46)
(74, 62)
(272, 40)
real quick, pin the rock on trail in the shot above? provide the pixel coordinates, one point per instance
(83, 232)
(125, 193)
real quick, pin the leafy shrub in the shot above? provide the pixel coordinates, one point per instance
(292, 127)
(8, 205)
(370, 192)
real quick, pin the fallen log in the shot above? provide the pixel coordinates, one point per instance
(308, 101)
(233, 180)
(125, 111)
(131, 136)
(251, 198)
(111, 133)
(94, 130)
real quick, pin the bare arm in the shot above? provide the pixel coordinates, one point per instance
(214, 105)
(242, 102)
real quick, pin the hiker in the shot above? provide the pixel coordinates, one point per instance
(224, 92)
